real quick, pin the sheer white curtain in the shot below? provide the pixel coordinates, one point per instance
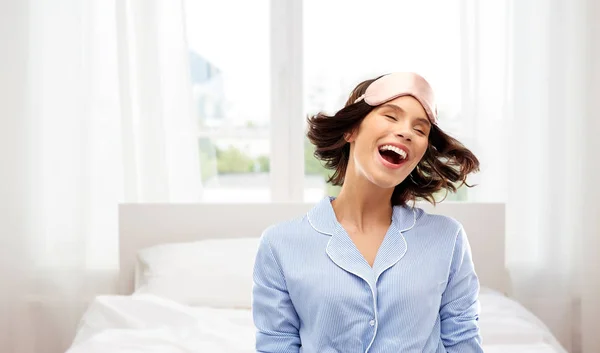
(529, 83)
(160, 138)
(485, 71)
(590, 243)
(552, 219)
(96, 110)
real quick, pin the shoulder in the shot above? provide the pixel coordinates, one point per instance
(436, 225)
(443, 233)
(284, 228)
(425, 218)
(286, 232)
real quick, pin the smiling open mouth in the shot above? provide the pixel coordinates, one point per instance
(392, 154)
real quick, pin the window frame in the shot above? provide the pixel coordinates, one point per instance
(287, 101)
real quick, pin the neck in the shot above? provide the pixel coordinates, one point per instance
(361, 203)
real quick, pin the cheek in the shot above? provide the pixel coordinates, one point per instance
(365, 141)
(421, 149)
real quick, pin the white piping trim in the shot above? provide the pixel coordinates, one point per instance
(376, 317)
(414, 221)
(315, 228)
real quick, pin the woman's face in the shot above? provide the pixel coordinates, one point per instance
(390, 141)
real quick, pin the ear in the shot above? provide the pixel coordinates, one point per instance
(350, 136)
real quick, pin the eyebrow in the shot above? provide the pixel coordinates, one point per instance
(395, 107)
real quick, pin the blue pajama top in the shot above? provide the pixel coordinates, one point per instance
(314, 292)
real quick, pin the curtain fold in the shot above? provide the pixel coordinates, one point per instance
(15, 152)
(589, 265)
(548, 155)
(160, 147)
(96, 110)
(485, 78)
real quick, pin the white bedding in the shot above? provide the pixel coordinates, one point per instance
(146, 323)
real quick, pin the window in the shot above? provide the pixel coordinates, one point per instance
(258, 74)
(230, 77)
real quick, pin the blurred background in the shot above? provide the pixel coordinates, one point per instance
(154, 101)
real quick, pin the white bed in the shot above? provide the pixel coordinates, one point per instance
(174, 295)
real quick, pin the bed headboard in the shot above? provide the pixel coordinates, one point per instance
(144, 225)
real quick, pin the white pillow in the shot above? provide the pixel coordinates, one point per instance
(215, 273)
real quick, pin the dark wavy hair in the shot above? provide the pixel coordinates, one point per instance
(445, 165)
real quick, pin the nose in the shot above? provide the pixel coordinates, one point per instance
(405, 136)
(404, 132)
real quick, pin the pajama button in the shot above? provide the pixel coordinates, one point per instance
(372, 322)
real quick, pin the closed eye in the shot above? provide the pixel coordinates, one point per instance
(391, 117)
(420, 131)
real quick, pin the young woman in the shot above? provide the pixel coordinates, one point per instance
(367, 271)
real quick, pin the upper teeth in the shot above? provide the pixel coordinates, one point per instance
(393, 149)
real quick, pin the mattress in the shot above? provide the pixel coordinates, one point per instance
(147, 323)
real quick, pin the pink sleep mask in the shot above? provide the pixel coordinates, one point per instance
(399, 84)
